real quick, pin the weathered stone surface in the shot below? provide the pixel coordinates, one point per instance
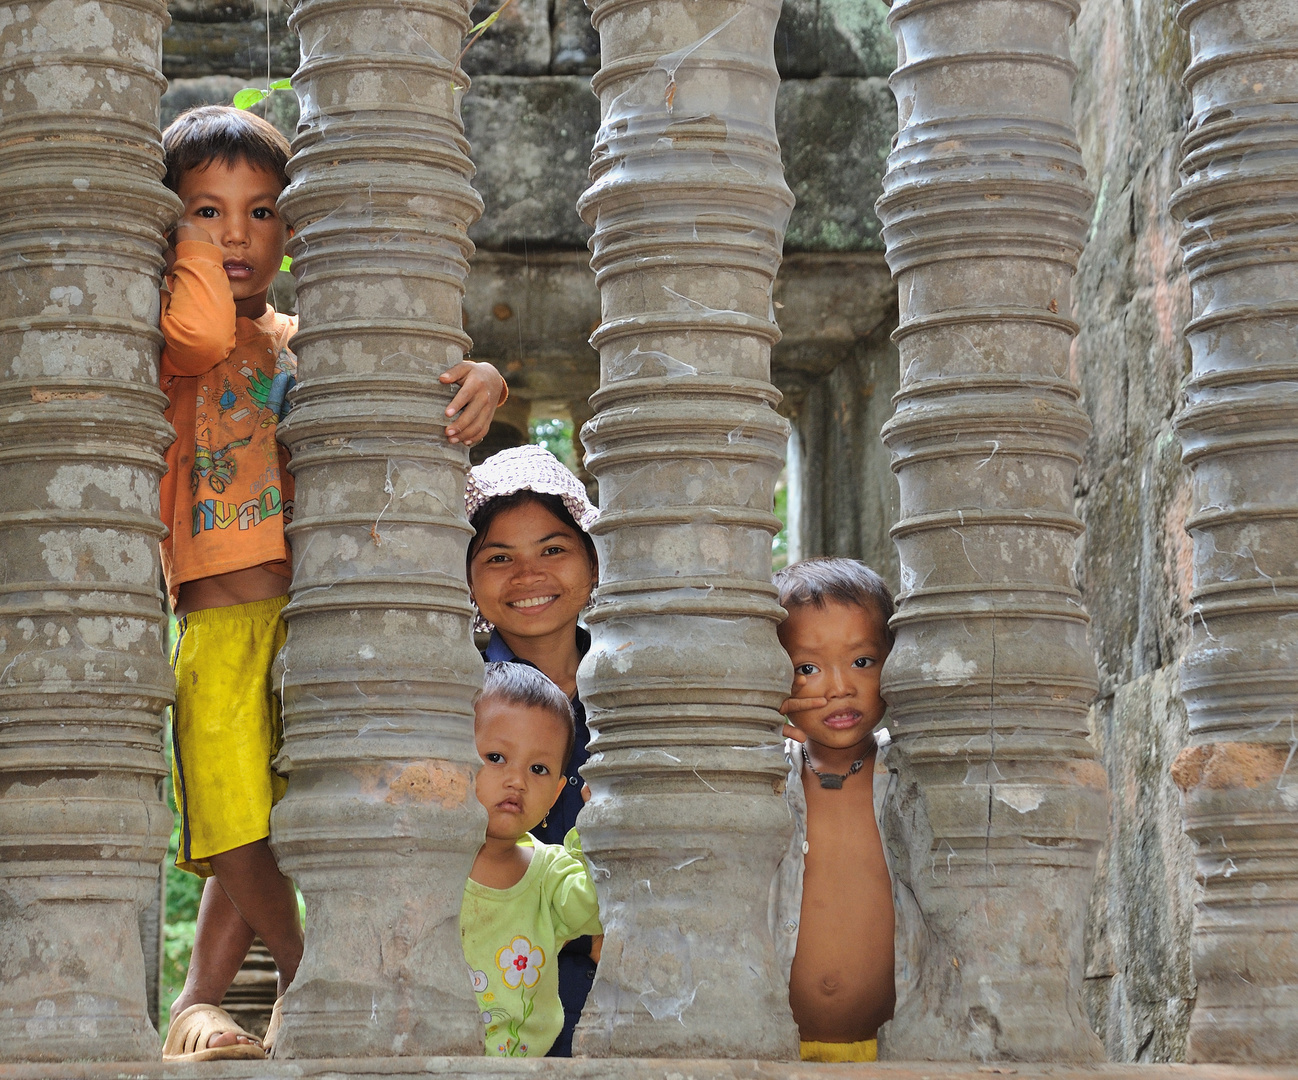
(848, 497)
(484, 1068)
(531, 139)
(1131, 299)
(1238, 207)
(834, 37)
(997, 807)
(574, 43)
(215, 11)
(685, 825)
(380, 825)
(517, 43)
(834, 137)
(1139, 989)
(83, 678)
(194, 49)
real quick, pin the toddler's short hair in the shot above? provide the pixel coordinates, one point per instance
(222, 133)
(817, 582)
(527, 687)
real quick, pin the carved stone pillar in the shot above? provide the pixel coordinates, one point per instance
(998, 805)
(380, 825)
(686, 825)
(1239, 431)
(83, 678)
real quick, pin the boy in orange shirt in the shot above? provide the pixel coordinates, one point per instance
(832, 916)
(226, 369)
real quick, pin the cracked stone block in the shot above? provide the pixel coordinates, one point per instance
(531, 142)
(834, 138)
(574, 40)
(834, 37)
(518, 43)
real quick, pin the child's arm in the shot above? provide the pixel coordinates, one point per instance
(197, 306)
(482, 390)
(572, 893)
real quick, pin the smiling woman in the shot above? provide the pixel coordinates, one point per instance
(531, 568)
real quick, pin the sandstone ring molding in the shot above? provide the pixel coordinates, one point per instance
(380, 825)
(996, 808)
(83, 676)
(685, 674)
(1238, 205)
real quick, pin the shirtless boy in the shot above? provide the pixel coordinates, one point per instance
(833, 920)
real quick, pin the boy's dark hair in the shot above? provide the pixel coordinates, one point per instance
(817, 582)
(222, 133)
(492, 508)
(526, 687)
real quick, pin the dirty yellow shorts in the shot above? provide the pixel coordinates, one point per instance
(867, 1050)
(225, 729)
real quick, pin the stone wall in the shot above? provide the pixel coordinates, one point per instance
(1132, 301)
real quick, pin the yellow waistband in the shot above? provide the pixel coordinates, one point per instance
(258, 609)
(866, 1050)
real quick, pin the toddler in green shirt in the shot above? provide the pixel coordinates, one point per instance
(523, 899)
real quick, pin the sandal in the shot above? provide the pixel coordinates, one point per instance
(272, 1029)
(189, 1032)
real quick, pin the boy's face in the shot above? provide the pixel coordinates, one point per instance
(837, 653)
(234, 204)
(522, 765)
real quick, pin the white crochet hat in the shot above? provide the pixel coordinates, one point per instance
(526, 468)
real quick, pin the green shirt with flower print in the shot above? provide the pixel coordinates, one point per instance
(512, 939)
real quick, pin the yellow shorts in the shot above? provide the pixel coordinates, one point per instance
(867, 1050)
(225, 729)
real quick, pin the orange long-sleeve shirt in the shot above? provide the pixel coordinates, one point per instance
(227, 493)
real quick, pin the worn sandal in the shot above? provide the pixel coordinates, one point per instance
(272, 1029)
(189, 1032)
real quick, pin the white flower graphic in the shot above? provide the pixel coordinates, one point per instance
(520, 963)
(479, 982)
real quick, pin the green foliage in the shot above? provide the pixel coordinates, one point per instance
(554, 435)
(780, 542)
(252, 95)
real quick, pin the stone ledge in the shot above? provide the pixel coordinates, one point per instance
(620, 1069)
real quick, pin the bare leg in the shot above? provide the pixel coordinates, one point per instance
(221, 941)
(248, 896)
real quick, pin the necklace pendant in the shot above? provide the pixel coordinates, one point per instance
(831, 781)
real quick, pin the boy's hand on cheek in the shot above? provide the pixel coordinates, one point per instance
(796, 705)
(481, 388)
(187, 230)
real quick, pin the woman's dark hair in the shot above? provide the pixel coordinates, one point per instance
(492, 508)
(527, 688)
(222, 133)
(817, 582)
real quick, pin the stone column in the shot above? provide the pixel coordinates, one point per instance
(687, 822)
(1239, 431)
(380, 825)
(997, 808)
(83, 677)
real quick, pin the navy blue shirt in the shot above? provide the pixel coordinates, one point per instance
(576, 968)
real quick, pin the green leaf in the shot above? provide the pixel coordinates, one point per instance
(285, 264)
(487, 21)
(248, 97)
(282, 84)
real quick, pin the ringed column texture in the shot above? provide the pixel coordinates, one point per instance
(379, 826)
(1238, 205)
(84, 679)
(996, 808)
(687, 820)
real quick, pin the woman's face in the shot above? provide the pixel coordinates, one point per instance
(531, 575)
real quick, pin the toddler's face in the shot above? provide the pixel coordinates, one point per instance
(522, 765)
(837, 653)
(235, 205)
